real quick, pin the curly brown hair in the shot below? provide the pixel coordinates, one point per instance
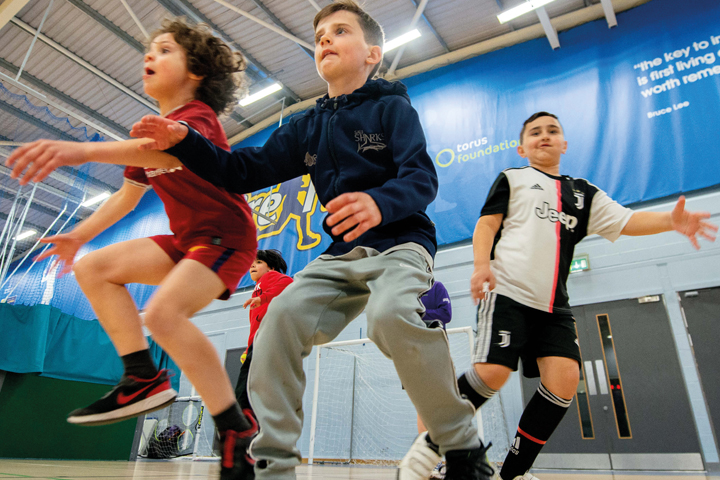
(209, 57)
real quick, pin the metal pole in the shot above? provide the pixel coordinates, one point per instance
(282, 112)
(6, 266)
(32, 44)
(413, 22)
(5, 239)
(135, 19)
(316, 389)
(352, 409)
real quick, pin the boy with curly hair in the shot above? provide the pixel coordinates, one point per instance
(194, 77)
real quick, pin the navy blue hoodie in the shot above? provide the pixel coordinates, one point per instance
(368, 141)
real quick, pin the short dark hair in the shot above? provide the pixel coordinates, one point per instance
(534, 117)
(211, 58)
(372, 30)
(274, 260)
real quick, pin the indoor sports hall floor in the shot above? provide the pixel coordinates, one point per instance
(186, 470)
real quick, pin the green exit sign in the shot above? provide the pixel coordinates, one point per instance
(580, 264)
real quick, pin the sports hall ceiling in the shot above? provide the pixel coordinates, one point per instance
(83, 75)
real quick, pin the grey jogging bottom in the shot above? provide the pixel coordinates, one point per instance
(324, 297)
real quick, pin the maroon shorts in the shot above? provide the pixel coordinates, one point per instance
(229, 264)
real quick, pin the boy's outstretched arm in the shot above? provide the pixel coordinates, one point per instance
(242, 171)
(690, 224)
(41, 157)
(483, 238)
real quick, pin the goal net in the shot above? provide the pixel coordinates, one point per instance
(361, 414)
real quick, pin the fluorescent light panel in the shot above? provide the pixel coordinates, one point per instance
(26, 234)
(261, 94)
(522, 9)
(401, 40)
(94, 200)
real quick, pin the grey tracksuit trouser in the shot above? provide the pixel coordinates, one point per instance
(324, 297)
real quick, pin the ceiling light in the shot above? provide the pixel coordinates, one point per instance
(26, 234)
(95, 200)
(401, 40)
(261, 94)
(522, 9)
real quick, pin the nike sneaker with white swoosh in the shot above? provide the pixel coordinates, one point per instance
(131, 397)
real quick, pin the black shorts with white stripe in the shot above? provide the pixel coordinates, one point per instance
(508, 331)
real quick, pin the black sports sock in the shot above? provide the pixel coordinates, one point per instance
(232, 419)
(139, 364)
(474, 389)
(539, 420)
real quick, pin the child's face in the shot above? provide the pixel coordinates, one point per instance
(165, 68)
(258, 269)
(543, 142)
(341, 51)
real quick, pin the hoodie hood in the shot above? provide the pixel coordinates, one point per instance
(372, 90)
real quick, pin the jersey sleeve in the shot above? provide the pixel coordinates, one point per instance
(136, 176)
(607, 217)
(203, 120)
(499, 197)
(277, 283)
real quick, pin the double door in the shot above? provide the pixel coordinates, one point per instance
(631, 410)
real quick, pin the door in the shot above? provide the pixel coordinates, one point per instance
(631, 411)
(701, 309)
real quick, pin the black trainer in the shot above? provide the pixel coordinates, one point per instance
(469, 464)
(131, 397)
(237, 464)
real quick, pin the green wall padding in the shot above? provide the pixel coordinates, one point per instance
(32, 418)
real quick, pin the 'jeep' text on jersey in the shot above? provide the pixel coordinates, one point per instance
(544, 217)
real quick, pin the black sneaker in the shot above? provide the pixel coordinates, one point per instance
(469, 464)
(236, 463)
(131, 397)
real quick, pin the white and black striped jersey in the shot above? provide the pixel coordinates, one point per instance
(544, 218)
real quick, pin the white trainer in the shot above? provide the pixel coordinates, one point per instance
(420, 460)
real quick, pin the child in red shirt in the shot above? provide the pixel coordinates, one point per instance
(193, 76)
(268, 273)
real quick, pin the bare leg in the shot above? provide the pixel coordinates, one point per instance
(189, 287)
(102, 275)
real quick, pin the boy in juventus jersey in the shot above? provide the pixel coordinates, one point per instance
(523, 245)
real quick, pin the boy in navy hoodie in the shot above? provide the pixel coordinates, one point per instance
(365, 151)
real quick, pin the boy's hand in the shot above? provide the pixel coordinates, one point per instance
(481, 282)
(66, 247)
(355, 209)
(691, 224)
(43, 156)
(166, 133)
(252, 303)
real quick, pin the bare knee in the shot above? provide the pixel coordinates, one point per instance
(162, 322)
(560, 375)
(88, 270)
(493, 375)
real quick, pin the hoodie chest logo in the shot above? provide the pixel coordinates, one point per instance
(369, 141)
(310, 159)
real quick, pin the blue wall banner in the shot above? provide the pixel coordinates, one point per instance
(639, 104)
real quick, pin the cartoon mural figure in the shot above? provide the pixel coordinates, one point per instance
(292, 201)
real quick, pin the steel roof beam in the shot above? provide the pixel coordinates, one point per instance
(548, 27)
(39, 84)
(26, 117)
(93, 69)
(609, 13)
(432, 29)
(310, 53)
(102, 20)
(10, 8)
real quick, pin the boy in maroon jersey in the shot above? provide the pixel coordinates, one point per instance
(268, 273)
(194, 77)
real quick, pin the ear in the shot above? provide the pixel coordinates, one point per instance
(196, 78)
(521, 151)
(374, 56)
(564, 146)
